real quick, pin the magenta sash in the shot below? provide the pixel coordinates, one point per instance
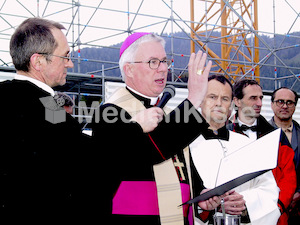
(140, 198)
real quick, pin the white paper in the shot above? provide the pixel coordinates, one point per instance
(258, 155)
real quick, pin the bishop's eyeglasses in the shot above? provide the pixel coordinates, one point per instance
(288, 103)
(155, 63)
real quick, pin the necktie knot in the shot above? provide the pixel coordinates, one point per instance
(245, 128)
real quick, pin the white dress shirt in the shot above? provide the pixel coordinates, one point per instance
(36, 82)
(251, 134)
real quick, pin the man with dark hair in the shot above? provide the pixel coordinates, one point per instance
(248, 97)
(294, 92)
(252, 200)
(39, 160)
(239, 87)
(284, 101)
(221, 79)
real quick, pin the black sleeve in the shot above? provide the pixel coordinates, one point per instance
(113, 134)
(181, 127)
(111, 121)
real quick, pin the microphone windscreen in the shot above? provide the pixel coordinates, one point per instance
(171, 90)
(168, 93)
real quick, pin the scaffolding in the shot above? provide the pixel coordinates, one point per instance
(241, 42)
(228, 30)
(234, 28)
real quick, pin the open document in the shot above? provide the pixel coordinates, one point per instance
(245, 164)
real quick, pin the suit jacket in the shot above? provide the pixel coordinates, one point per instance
(40, 162)
(131, 153)
(263, 127)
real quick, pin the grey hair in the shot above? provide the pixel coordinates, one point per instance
(34, 35)
(130, 53)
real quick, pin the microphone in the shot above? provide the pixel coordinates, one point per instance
(169, 92)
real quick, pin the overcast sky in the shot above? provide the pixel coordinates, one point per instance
(113, 19)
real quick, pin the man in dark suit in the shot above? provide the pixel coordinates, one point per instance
(248, 97)
(39, 164)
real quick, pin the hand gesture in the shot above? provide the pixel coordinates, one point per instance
(198, 78)
(148, 119)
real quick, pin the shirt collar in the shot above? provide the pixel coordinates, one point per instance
(153, 100)
(242, 123)
(221, 133)
(38, 83)
(289, 129)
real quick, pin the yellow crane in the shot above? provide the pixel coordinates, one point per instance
(235, 20)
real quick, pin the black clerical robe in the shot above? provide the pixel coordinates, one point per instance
(40, 162)
(131, 154)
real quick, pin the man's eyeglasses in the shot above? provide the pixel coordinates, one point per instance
(289, 103)
(155, 63)
(67, 57)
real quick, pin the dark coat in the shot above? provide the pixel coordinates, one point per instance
(40, 162)
(263, 127)
(131, 153)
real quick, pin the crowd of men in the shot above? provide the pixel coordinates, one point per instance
(141, 162)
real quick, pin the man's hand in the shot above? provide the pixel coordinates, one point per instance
(148, 119)
(198, 78)
(234, 203)
(211, 203)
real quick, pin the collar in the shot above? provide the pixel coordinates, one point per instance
(263, 126)
(289, 129)
(221, 133)
(242, 123)
(38, 83)
(152, 100)
(272, 122)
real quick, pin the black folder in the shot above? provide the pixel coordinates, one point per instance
(222, 189)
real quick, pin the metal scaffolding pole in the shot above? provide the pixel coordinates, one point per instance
(226, 29)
